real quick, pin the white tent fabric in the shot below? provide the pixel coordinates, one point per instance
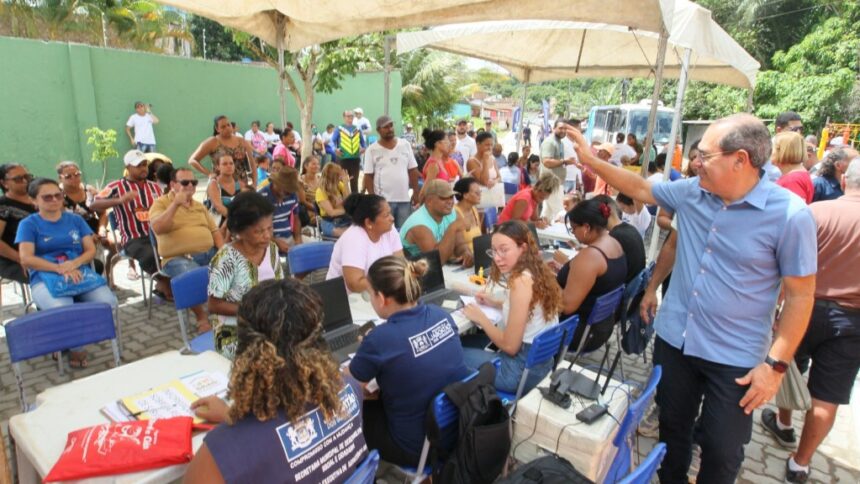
(311, 22)
(548, 50)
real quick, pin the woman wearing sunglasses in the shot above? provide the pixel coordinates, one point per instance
(185, 231)
(15, 205)
(77, 197)
(55, 242)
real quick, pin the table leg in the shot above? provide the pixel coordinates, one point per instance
(26, 472)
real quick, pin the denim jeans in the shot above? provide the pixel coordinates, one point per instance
(328, 225)
(400, 211)
(181, 265)
(146, 148)
(511, 371)
(688, 384)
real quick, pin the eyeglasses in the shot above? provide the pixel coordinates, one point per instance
(796, 129)
(18, 179)
(705, 156)
(185, 183)
(72, 175)
(493, 253)
(51, 196)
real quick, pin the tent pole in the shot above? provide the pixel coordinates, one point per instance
(655, 98)
(673, 135)
(523, 109)
(386, 42)
(280, 30)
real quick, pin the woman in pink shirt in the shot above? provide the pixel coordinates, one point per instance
(281, 150)
(789, 153)
(524, 205)
(437, 143)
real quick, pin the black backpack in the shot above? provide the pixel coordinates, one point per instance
(484, 437)
(635, 334)
(549, 469)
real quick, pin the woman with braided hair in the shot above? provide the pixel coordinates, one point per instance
(289, 398)
(596, 270)
(413, 356)
(531, 303)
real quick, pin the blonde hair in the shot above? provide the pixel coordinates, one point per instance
(547, 183)
(330, 181)
(789, 148)
(397, 278)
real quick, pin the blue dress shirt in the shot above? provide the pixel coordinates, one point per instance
(730, 261)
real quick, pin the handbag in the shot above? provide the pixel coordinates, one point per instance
(118, 448)
(793, 393)
(59, 286)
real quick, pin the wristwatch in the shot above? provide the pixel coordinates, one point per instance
(778, 365)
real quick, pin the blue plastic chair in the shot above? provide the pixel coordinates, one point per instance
(605, 307)
(511, 188)
(366, 471)
(58, 329)
(491, 218)
(189, 290)
(121, 255)
(648, 468)
(545, 347)
(623, 440)
(570, 324)
(309, 257)
(203, 342)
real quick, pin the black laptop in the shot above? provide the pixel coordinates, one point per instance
(433, 288)
(480, 246)
(340, 332)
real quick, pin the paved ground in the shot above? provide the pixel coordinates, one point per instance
(837, 461)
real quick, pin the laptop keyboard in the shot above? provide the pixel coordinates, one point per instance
(343, 340)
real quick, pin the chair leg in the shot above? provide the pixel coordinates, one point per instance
(149, 302)
(118, 325)
(183, 327)
(16, 368)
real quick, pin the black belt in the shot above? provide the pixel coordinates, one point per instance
(823, 303)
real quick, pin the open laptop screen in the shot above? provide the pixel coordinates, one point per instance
(480, 246)
(336, 311)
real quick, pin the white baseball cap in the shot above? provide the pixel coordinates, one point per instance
(134, 158)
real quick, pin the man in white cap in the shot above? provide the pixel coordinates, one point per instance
(410, 137)
(361, 122)
(131, 198)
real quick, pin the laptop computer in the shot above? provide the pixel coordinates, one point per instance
(433, 288)
(480, 246)
(339, 331)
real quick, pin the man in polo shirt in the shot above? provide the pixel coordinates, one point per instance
(434, 226)
(282, 192)
(740, 236)
(832, 340)
(186, 233)
(130, 198)
(390, 170)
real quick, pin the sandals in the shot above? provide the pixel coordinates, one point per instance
(78, 360)
(132, 274)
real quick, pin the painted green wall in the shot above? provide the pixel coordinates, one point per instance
(51, 92)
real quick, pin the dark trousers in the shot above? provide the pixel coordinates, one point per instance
(352, 166)
(140, 249)
(378, 436)
(688, 383)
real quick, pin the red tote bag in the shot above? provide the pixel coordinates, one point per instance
(118, 448)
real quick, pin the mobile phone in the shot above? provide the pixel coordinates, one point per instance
(366, 328)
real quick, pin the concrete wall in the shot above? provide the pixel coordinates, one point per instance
(51, 92)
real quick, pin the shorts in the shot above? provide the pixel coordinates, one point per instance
(832, 342)
(146, 148)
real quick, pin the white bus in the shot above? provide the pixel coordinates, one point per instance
(604, 122)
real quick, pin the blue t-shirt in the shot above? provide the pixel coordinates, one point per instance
(309, 450)
(413, 357)
(54, 241)
(282, 221)
(423, 217)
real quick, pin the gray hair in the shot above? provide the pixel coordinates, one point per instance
(852, 174)
(747, 133)
(828, 164)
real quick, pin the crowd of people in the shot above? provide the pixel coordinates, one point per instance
(748, 227)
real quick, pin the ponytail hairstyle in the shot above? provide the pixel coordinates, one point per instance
(463, 185)
(432, 136)
(545, 289)
(397, 278)
(282, 361)
(363, 206)
(594, 213)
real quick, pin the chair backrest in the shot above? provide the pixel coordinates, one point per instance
(569, 325)
(605, 306)
(447, 416)
(491, 218)
(634, 288)
(366, 471)
(154, 243)
(310, 257)
(545, 346)
(648, 468)
(57, 329)
(510, 188)
(621, 463)
(190, 288)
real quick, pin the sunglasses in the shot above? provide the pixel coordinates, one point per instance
(185, 183)
(51, 197)
(796, 129)
(18, 179)
(72, 175)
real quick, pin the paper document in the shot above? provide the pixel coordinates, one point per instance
(493, 314)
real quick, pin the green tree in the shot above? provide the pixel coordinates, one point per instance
(219, 41)
(430, 86)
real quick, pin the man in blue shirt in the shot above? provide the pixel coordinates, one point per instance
(282, 191)
(740, 236)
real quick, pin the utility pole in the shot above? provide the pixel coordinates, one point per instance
(204, 43)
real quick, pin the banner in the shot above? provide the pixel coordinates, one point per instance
(546, 126)
(515, 123)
